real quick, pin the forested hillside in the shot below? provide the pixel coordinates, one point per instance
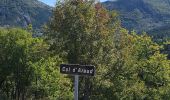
(128, 65)
(143, 15)
(151, 16)
(20, 13)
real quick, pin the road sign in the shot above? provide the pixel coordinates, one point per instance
(76, 69)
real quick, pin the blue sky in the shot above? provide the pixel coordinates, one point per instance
(52, 2)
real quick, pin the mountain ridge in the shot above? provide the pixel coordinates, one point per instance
(20, 13)
(142, 15)
(151, 16)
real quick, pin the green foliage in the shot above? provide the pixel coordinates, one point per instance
(16, 47)
(49, 83)
(128, 66)
(81, 32)
(26, 71)
(137, 71)
(153, 68)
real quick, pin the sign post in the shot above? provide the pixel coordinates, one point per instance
(76, 85)
(76, 70)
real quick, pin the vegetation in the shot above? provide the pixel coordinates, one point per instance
(143, 15)
(20, 13)
(26, 71)
(128, 66)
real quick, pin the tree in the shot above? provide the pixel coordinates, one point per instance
(138, 69)
(81, 33)
(26, 68)
(49, 83)
(16, 45)
(128, 66)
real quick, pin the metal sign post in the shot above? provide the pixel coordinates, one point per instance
(76, 85)
(76, 70)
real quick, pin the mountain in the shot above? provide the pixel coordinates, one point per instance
(152, 16)
(21, 13)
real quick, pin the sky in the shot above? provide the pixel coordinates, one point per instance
(52, 2)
